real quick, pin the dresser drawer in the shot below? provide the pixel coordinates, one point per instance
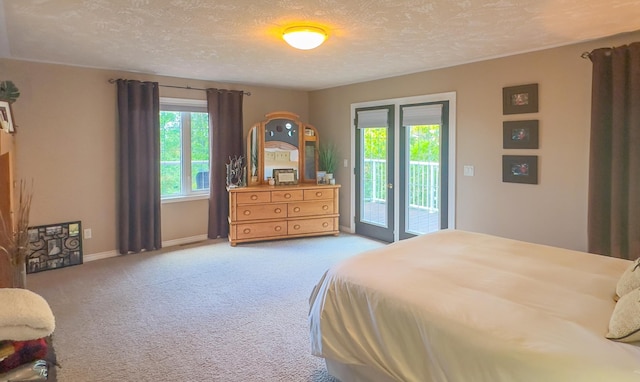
(311, 226)
(262, 211)
(270, 213)
(318, 193)
(322, 207)
(287, 195)
(253, 197)
(267, 229)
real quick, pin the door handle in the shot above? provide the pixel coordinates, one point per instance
(390, 185)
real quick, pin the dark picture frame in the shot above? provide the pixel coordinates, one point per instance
(520, 169)
(520, 99)
(6, 118)
(54, 246)
(285, 176)
(520, 134)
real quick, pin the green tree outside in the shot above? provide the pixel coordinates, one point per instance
(171, 124)
(199, 147)
(424, 144)
(424, 141)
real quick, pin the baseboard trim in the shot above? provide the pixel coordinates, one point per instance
(184, 240)
(99, 256)
(344, 228)
(168, 243)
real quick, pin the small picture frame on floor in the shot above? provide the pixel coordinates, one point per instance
(54, 246)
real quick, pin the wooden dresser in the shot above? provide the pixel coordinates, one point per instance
(278, 212)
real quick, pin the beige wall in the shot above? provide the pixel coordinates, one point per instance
(66, 118)
(66, 144)
(553, 212)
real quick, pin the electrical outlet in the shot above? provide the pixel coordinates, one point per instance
(87, 233)
(469, 171)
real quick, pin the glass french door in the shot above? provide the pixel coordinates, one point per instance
(424, 149)
(375, 172)
(402, 169)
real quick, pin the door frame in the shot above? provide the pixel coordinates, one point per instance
(444, 166)
(370, 229)
(451, 192)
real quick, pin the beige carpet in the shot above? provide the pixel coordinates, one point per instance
(205, 312)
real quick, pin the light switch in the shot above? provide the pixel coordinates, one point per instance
(346, 163)
(468, 170)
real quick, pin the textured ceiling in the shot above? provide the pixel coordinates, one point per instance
(238, 41)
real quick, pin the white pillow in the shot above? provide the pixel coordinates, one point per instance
(630, 279)
(24, 315)
(624, 325)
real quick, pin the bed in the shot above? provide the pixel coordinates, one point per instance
(462, 306)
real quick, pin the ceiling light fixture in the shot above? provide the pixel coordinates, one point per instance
(304, 37)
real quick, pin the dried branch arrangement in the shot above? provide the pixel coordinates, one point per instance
(14, 243)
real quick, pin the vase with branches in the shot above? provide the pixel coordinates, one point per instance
(14, 240)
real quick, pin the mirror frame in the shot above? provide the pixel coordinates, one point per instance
(256, 140)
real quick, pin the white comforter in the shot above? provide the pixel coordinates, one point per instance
(463, 307)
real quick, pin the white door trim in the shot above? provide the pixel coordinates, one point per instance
(448, 96)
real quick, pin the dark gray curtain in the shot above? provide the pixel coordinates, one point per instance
(614, 163)
(139, 166)
(225, 126)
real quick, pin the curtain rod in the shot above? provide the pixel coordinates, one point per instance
(587, 55)
(113, 81)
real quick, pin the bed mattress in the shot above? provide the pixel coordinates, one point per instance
(462, 306)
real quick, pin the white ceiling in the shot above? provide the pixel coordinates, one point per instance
(238, 41)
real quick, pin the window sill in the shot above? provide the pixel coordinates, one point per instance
(178, 199)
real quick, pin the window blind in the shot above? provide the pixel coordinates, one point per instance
(422, 115)
(178, 104)
(373, 118)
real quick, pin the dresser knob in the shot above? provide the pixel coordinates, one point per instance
(254, 197)
(297, 226)
(325, 224)
(278, 228)
(246, 230)
(319, 193)
(325, 207)
(287, 196)
(247, 212)
(296, 209)
(277, 210)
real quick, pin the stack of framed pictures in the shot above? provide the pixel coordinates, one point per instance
(520, 134)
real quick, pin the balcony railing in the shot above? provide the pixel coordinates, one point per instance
(424, 183)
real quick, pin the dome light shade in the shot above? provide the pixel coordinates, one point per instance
(304, 37)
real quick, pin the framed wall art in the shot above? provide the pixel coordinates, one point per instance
(520, 99)
(520, 134)
(6, 118)
(54, 246)
(520, 169)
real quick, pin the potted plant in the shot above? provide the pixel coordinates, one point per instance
(328, 160)
(8, 91)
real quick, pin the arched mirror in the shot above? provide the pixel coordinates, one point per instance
(282, 142)
(281, 151)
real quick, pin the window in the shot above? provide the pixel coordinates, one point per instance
(184, 148)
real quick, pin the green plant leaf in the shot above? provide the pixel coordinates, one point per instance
(8, 91)
(328, 158)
